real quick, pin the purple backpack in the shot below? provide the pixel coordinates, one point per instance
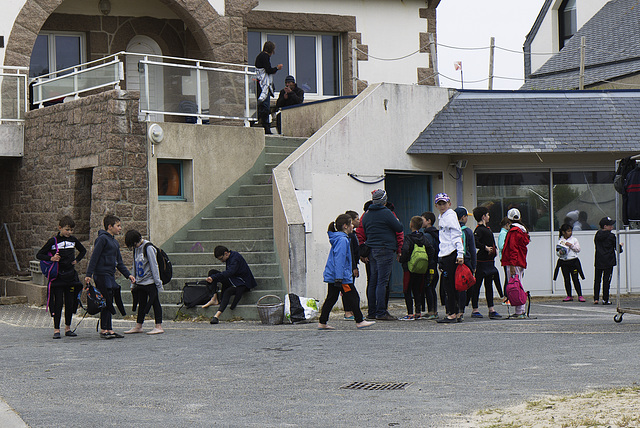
(514, 292)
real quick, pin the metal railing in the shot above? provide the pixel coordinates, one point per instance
(73, 81)
(194, 90)
(13, 93)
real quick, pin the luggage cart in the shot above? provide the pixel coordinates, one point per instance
(620, 310)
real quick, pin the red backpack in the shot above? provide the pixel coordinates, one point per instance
(464, 278)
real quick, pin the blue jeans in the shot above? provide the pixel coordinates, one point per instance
(381, 262)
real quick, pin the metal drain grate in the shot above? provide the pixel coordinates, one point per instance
(376, 386)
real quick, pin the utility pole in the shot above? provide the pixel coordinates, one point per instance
(434, 59)
(582, 46)
(492, 46)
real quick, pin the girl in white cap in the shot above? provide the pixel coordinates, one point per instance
(514, 253)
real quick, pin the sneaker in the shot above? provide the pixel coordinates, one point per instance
(581, 299)
(214, 320)
(606, 303)
(386, 317)
(568, 299)
(460, 318)
(117, 335)
(494, 315)
(70, 334)
(447, 320)
(432, 317)
(351, 318)
(476, 315)
(56, 335)
(518, 316)
(407, 318)
(417, 316)
(595, 302)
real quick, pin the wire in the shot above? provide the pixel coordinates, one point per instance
(355, 177)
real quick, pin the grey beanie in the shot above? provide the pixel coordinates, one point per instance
(379, 197)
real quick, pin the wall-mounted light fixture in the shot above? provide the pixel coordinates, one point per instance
(105, 7)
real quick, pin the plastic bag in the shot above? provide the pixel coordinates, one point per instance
(299, 309)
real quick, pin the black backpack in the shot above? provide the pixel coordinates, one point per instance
(164, 264)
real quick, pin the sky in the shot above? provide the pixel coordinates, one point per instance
(471, 24)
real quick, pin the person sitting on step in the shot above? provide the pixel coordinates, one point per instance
(236, 279)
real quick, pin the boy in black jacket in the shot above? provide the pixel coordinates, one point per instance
(486, 270)
(413, 282)
(65, 287)
(605, 259)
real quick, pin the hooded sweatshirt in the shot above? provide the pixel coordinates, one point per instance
(106, 256)
(514, 252)
(338, 267)
(379, 228)
(146, 265)
(605, 242)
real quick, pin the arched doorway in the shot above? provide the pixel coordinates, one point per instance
(145, 45)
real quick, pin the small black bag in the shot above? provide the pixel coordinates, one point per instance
(196, 293)
(95, 300)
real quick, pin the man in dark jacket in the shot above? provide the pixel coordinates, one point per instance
(378, 228)
(605, 259)
(291, 95)
(236, 279)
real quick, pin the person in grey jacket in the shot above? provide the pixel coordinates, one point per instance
(148, 283)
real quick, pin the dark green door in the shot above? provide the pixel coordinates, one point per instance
(411, 195)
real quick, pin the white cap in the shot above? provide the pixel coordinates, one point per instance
(513, 214)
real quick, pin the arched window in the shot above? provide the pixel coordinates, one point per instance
(567, 21)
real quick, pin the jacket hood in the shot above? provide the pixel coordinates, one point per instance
(334, 236)
(375, 207)
(104, 232)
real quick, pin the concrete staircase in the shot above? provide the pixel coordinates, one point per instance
(241, 220)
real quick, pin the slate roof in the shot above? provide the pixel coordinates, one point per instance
(486, 122)
(612, 50)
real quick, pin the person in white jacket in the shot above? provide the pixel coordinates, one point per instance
(567, 250)
(450, 254)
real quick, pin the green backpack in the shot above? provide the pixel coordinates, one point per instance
(419, 261)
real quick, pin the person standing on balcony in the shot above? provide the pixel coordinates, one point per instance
(265, 88)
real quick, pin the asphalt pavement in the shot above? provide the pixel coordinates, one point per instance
(245, 374)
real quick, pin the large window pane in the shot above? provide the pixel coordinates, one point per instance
(582, 198)
(39, 64)
(529, 192)
(255, 46)
(67, 51)
(306, 71)
(330, 65)
(281, 56)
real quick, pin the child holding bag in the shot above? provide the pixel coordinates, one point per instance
(514, 253)
(338, 274)
(567, 250)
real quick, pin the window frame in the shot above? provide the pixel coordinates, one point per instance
(562, 11)
(550, 171)
(51, 48)
(181, 197)
(291, 36)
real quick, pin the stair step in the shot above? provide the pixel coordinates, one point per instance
(222, 234)
(237, 222)
(179, 259)
(201, 270)
(264, 282)
(255, 189)
(242, 246)
(244, 201)
(261, 178)
(248, 211)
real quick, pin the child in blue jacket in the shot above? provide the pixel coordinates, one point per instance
(338, 274)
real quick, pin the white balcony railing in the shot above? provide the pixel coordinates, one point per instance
(193, 90)
(13, 93)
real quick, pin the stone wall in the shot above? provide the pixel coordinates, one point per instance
(84, 158)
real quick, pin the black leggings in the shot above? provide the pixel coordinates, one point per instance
(412, 289)
(605, 276)
(59, 295)
(487, 273)
(448, 266)
(570, 272)
(351, 296)
(227, 292)
(148, 295)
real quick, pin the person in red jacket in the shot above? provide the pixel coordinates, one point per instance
(514, 253)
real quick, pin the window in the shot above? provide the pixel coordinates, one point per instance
(313, 59)
(580, 198)
(170, 180)
(56, 51)
(567, 21)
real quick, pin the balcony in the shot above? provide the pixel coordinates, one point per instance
(13, 105)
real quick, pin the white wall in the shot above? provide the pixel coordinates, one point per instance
(390, 29)
(369, 136)
(546, 40)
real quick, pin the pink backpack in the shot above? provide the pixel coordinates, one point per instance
(514, 292)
